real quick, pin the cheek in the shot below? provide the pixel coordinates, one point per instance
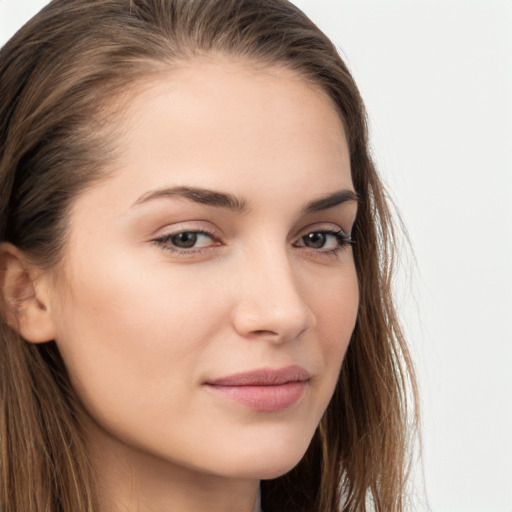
(336, 305)
(125, 334)
(339, 315)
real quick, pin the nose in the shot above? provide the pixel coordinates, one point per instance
(269, 301)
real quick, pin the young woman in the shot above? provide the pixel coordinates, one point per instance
(195, 267)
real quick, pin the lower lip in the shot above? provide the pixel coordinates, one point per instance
(264, 398)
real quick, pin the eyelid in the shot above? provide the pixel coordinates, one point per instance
(341, 239)
(162, 238)
(330, 227)
(200, 226)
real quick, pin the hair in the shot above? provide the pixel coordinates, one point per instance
(61, 77)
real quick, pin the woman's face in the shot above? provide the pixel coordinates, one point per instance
(208, 292)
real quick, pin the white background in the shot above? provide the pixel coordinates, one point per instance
(437, 80)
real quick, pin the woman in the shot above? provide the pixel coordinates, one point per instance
(196, 257)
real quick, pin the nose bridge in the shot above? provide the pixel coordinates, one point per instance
(269, 299)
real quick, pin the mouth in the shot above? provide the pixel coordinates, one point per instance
(264, 390)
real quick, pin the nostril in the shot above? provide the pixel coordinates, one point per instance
(265, 332)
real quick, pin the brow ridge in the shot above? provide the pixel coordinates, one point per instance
(232, 202)
(198, 195)
(331, 200)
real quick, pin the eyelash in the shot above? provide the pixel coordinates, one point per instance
(165, 242)
(343, 240)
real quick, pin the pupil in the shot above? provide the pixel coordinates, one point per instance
(315, 240)
(185, 240)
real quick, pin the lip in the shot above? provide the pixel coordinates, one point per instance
(265, 389)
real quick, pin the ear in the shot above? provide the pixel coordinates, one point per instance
(24, 297)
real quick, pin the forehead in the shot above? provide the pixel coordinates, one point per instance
(233, 126)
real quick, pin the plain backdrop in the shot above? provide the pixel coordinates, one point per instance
(436, 77)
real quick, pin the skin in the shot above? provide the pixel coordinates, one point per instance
(143, 328)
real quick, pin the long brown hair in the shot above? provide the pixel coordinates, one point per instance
(61, 77)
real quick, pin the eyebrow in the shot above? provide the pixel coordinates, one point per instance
(331, 200)
(198, 195)
(232, 202)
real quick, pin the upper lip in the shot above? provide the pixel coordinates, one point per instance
(264, 377)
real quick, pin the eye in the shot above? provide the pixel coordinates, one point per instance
(190, 239)
(187, 241)
(325, 240)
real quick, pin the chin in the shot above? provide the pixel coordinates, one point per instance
(264, 471)
(267, 462)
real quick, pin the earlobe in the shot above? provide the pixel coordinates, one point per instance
(24, 303)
